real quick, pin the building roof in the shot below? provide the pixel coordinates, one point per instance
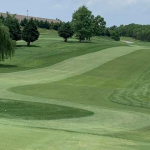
(21, 17)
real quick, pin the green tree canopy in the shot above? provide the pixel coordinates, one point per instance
(99, 25)
(65, 31)
(30, 32)
(14, 27)
(2, 18)
(24, 22)
(82, 22)
(7, 46)
(115, 35)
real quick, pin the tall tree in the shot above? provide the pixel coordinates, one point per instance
(65, 31)
(14, 27)
(115, 35)
(7, 46)
(99, 25)
(2, 18)
(23, 22)
(107, 32)
(30, 32)
(82, 22)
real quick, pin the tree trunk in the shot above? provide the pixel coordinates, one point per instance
(80, 40)
(65, 40)
(28, 43)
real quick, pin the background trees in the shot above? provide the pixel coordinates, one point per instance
(65, 31)
(24, 22)
(82, 22)
(30, 32)
(99, 26)
(14, 28)
(115, 35)
(139, 32)
(7, 46)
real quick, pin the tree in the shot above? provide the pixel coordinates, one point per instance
(2, 18)
(30, 32)
(7, 46)
(41, 24)
(46, 25)
(56, 26)
(107, 32)
(24, 22)
(99, 25)
(115, 35)
(14, 28)
(65, 31)
(82, 22)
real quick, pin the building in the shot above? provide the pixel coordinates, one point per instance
(21, 17)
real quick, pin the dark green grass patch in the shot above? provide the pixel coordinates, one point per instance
(38, 111)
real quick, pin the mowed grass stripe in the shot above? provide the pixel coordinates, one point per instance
(68, 68)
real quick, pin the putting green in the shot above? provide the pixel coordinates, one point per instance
(111, 127)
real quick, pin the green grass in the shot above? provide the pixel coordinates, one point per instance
(38, 111)
(86, 96)
(50, 49)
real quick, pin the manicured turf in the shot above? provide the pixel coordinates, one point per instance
(94, 93)
(50, 49)
(38, 111)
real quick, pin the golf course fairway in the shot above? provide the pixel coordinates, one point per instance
(85, 100)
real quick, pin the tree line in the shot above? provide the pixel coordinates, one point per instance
(43, 24)
(139, 32)
(84, 26)
(29, 33)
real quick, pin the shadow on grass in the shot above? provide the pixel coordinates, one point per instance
(83, 42)
(7, 66)
(28, 46)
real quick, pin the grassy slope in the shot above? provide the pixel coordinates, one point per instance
(95, 87)
(49, 50)
(113, 127)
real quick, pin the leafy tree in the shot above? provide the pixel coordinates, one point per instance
(113, 28)
(99, 25)
(82, 22)
(65, 31)
(30, 32)
(41, 24)
(7, 46)
(14, 28)
(107, 32)
(24, 22)
(2, 18)
(115, 35)
(56, 26)
(46, 25)
(139, 32)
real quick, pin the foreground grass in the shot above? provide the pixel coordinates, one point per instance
(48, 105)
